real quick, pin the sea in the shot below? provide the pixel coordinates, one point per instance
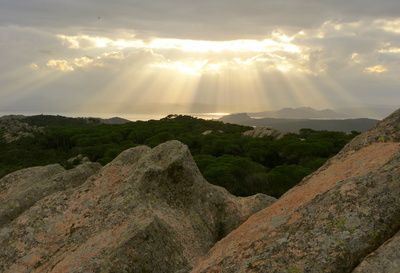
(128, 116)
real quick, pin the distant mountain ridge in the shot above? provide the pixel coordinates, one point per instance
(293, 125)
(372, 112)
(299, 113)
(58, 120)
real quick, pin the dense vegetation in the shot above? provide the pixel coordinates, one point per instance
(244, 165)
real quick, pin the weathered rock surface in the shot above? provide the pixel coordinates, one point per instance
(77, 160)
(329, 222)
(385, 259)
(263, 132)
(149, 210)
(21, 189)
(12, 129)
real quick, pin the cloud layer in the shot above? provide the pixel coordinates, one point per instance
(241, 55)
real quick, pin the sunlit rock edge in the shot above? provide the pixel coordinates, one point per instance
(149, 210)
(342, 218)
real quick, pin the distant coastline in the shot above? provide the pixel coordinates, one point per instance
(377, 113)
(128, 116)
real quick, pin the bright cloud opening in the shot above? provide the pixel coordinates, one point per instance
(266, 45)
(376, 69)
(195, 58)
(389, 25)
(177, 70)
(279, 42)
(33, 66)
(114, 55)
(84, 61)
(390, 50)
(61, 65)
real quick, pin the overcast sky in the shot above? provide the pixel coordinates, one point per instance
(220, 55)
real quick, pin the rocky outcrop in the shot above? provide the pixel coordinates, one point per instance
(149, 210)
(12, 129)
(22, 189)
(331, 221)
(211, 131)
(385, 259)
(261, 132)
(78, 160)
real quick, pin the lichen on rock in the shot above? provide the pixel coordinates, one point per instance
(149, 210)
(329, 222)
(386, 259)
(22, 189)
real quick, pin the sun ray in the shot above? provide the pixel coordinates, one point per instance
(236, 75)
(123, 92)
(301, 90)
(28, 80)
(347, 99)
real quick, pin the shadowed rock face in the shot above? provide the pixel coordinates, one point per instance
(385, 259)
(329, 222)
(149, 210)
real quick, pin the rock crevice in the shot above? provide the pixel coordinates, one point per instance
(329, 222)
(149, 210)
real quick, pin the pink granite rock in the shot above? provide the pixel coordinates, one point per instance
(149, 210)
(328, 223)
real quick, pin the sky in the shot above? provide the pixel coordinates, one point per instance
(143, 56)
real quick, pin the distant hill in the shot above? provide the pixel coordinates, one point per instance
(372, 112)
(114, 120)
(235, 118)
(51, 120)
(294, 125)
(299, 113)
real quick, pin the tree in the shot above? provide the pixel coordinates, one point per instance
(283, 178)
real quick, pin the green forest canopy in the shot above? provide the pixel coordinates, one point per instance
(243, 165)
